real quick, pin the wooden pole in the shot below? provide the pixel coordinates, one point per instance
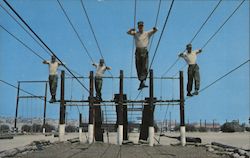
(120, 111)
(17, 103)
(151, 112)
(213, 126)
(125, 118)
(91, 108)
(182, 116)
(62, 109)
(80, 128)
(45, 105)
(80, 119)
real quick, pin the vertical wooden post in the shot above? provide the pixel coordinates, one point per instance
(213, 125)
(62, 102)
(182, 116)
(167, 124)
(97, 114)
(17, 103)
(80, 128)
(151, 112)
(45, 104)
(80, 119)
(62, 109)
(170, 121)
(120, 111)
(125, 118)
(205, 124)
(91, 108)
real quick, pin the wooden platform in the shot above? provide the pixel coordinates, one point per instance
(102, 150)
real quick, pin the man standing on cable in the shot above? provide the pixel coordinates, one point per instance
(193, 69)
(141, 54)
(100, 69)
(53, 78)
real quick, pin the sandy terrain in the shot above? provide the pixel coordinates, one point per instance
(22, 140)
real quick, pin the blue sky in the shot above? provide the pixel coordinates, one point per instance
(227, 99)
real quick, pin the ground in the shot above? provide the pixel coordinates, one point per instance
(109, 149)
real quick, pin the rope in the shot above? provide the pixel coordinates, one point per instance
(166, 20)
(31, 110)
(119, 154)
(69, 75)
(107, 129)
(133, 47)
(205, 21)
(27, 104)
(93, 32)
(209, 16)
(31, 94)
(78, 36)
(165, 116)
(223, 76)
(171, 67)
(43, 43)
(24, 29)
(156, 20)
(132, 61)
(29, 47)
(31, 51)
(218, 29)
(22, 43)
(222, 25)
(30, 36)
(102, 155)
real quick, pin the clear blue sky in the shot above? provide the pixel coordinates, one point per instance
(226, 99)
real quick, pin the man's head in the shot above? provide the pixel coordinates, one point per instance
(140, 26)
(189, 47)
(53, 58)
(101, 61)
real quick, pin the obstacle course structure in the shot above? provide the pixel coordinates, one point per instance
(120, 101)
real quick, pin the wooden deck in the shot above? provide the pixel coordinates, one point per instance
(103, 150)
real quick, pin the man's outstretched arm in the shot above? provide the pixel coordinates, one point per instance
(131, 32)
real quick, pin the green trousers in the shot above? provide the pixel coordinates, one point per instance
(141, 56)
(98, 86)
(193, 75)
(53, 84)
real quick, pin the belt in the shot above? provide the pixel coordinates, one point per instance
(141, 48)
